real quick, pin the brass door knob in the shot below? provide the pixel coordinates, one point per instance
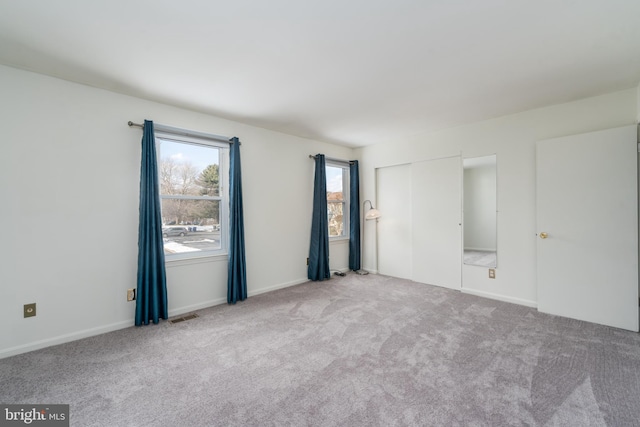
(543, 235)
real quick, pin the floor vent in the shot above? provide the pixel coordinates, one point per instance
(183, 318)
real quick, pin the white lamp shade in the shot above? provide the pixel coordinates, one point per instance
(372, 214)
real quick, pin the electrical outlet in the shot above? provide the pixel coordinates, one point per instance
(131, 294)
(30, 310)
(307, 261)
(492, 273)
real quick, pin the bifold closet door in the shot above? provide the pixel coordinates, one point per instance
(436, 222)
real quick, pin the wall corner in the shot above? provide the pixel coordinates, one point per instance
(638, 103)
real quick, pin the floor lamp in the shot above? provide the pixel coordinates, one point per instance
(372, 213)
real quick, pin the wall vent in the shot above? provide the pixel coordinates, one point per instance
(183, 318)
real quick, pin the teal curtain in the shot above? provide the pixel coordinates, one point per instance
(151, 297)
(354, 216)
(319, 247)
(237, 274)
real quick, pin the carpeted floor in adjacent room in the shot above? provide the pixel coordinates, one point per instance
(353, 351)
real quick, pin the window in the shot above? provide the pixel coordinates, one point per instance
(193, 194)
(338, 199)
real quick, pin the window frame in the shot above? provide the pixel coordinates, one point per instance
(223, 198)
(346, 185)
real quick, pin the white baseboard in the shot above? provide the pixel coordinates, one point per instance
(85, 333)
(223, 300)
(193, 307)
(278, 286)
(499, 297)
(61, 339)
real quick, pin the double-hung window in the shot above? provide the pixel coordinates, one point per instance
(338, 199)
(193, 175)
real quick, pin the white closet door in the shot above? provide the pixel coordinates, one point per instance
(436, 217)
(587, 207)
(394, 226)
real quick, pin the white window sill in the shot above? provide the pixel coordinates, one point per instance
(340, 239)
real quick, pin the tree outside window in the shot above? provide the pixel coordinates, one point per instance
(337, 188)
(191, 195)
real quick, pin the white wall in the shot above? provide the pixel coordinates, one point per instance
(479, 192)
(638, 130)
(69, 181)
(638, 104)
(395, 227)
(513, 139)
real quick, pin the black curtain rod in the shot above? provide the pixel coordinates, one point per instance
(185, 132)
(351, 162)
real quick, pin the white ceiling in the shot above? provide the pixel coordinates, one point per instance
(352, 72)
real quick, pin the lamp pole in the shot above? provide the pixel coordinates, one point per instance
(372, 213)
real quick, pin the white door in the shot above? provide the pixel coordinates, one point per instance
(394, 226)
(587, 208)
(436, 216)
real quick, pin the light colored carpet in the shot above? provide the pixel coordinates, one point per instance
(353, 351)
